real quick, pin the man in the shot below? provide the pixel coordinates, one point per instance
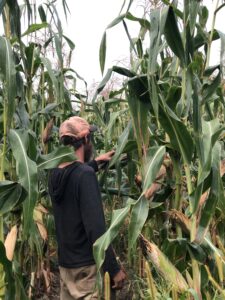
(79, 216)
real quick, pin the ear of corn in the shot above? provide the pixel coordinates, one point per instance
(163, 265)
(46, 134)
(107, 286)
(180, 219)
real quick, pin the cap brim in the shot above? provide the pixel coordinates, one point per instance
(93, 128)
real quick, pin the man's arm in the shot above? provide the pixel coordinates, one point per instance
(94, 221)
(100, 161)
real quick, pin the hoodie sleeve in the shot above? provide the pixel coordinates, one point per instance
(93, 216)
(93, 164)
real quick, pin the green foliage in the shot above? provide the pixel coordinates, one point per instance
(7, 265)
(175, 110)
(166, 124)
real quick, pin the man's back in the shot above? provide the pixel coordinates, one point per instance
(79, 217)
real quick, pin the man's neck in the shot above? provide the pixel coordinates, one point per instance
(79, 153)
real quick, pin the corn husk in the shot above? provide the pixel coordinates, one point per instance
(10, 242)
(38, 218)
(163, 265)
(155, 186)
(47, 280)
(31, 287)
(222, 168)
(46, 134)
(41, 208)
(42, 230)
(152, 190)
(180, 219)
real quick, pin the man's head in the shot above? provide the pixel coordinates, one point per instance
(76, 131)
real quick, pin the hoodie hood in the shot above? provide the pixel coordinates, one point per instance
(58, 180)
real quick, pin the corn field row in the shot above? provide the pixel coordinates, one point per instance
(163, 191)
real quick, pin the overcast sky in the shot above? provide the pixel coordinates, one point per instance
(86, 25)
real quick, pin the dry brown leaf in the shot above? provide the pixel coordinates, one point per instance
(41, 208)
(162, 173)
(222, 167)
(47, 279)
(42, 230)
(10, 242)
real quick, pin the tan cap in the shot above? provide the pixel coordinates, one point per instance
(76, 127)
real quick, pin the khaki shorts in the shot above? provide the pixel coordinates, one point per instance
(78, 283)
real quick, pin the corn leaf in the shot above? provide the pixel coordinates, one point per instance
(121, 145)
(11, 193)
(143, 22)
(173, 36)
(154, 39)
(211, 132)
(123, 71)
(14, 11)
(102, 53)
(69, 42)
(102, 84)
(155, 159)
(9, 278)
(53, 159)
(42, 13)
(216, 193)
(102, 244)
(138, 217)
(8, 72)
(154, 95)
(139, 104)
(54, 80)
(116, 21)
(180, 137)
(112, 122)
(2, 4)
(193, 11)
(35, 27)
(26, 171)
(209, 90)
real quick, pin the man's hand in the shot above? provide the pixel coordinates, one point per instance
(119, 279)
(105, 156)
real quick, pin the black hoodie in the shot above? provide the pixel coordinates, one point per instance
(79, 216)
